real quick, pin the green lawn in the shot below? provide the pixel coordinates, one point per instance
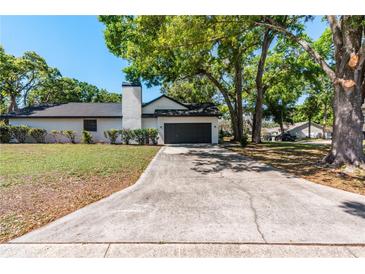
(41, 182)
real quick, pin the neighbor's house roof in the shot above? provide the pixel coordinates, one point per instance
(106, 110)
(295, 126)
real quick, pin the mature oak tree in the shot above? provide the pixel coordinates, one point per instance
(165, 49)
(347, 76)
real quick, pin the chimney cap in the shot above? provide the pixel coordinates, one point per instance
(128, 84)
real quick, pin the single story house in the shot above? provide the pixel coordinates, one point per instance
(299, 130)
(176, 122)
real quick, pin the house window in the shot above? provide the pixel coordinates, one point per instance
(90, 125)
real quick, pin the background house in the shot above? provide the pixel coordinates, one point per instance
(299, 130)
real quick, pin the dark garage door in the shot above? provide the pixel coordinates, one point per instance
(181, 133)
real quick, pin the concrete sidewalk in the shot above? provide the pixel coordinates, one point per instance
(115, 250)
(212, 202)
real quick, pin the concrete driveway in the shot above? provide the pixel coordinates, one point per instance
(213, 202)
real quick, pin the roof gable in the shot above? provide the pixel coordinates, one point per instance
(162, 102)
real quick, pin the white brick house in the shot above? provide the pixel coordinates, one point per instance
(176, 122)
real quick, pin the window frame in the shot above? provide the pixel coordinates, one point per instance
(86, 125)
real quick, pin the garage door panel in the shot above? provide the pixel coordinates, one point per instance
(178, 133)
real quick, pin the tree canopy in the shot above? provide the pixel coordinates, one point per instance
(28, 81)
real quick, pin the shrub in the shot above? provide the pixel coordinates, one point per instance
(5, 133)
(112, 135)
(146, 134)
(39, 134)
(70, 134)
(127, 135)
(153, 135)
(87, 138)
(20, 133)
(55, 134)
(139, 136)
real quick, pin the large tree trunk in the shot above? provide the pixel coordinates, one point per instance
(324, 121)
(348, 79)
(238, 91)
(233, 116)
(257, 117)
(309, 127)
(13, 106)
(232, 110)
(347, 137)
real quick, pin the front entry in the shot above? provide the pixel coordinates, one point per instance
(188, 133)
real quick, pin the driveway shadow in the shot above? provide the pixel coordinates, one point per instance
(354, 208)
(216, 161)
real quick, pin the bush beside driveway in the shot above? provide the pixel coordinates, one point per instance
(42, 182)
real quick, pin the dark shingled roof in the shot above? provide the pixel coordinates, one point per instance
(71, 110)
(206, 109)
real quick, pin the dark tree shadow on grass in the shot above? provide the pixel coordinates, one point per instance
(354, 208)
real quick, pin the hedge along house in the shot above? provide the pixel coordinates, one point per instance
(176, 122)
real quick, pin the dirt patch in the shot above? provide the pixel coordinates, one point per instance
(24, 207)
(303, 160)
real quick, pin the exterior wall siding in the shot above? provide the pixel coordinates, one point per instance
(76, 124)
(149, 122)
(162, 120)
(162, 103)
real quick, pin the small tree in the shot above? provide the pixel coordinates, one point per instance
(112, 135)
(87, 138)
(5, 134)
(127, 135)
(20, 133)
(38, 134)
(70, 134)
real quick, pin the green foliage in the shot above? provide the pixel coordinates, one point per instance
(56, 134)
(140, 136)
(192, 90)
(86, 138)
(18, 76)
(70, 134)
(126, 135)
(112, 135)
(20, 132)
(208, 51)
(38, 134)
(29, 80)
(5, 133)
(153, 135)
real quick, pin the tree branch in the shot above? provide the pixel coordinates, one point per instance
(336, 30)
(304, 44)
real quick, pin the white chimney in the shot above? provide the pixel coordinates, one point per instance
(131, 106)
